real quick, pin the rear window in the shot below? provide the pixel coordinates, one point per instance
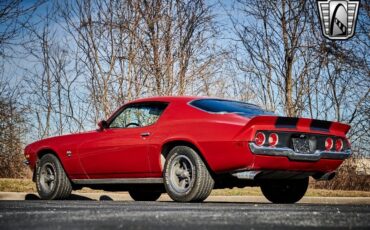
(227, 106)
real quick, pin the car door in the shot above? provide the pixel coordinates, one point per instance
(121, 150)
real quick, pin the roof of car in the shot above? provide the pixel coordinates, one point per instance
(179, 99)
(168, 98)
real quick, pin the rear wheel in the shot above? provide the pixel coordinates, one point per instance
(140, 195)
(52, 182)
(186, 178)
(284, 191)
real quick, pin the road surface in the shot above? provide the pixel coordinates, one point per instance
(83, 213)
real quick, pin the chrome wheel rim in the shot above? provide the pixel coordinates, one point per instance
(47, 177)
(181, 174)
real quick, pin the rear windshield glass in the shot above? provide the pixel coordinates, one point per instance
(227, 106)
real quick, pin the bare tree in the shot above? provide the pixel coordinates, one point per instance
(136, 48)
(12, 131)
(13, 15)
(275, 52)
(51, 81)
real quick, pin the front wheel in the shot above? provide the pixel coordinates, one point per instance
(284, 191)
(52, 182)
(186, 178)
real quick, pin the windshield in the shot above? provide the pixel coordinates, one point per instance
(227, 106)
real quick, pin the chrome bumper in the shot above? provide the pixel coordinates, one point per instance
(292, 155)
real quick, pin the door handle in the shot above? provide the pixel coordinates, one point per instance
(145, 134)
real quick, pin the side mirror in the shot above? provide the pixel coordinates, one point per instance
(103, 124)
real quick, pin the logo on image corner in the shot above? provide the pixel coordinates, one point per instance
(338, 18)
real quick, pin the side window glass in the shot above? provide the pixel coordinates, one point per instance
(138, 116)
(126, 117)
(150, 114)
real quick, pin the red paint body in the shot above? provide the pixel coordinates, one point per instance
(221, 139)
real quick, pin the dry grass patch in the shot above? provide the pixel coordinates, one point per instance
(17, 185)
(255, 191)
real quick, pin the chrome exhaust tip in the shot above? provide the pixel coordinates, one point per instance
(246, 175)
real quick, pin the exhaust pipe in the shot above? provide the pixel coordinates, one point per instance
(246, 175)
(326, 176)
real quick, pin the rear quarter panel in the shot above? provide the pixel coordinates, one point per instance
(217, 136)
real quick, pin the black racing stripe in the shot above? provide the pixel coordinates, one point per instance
(320, 125)
(286, 122)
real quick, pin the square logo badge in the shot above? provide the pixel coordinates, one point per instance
(338, 18)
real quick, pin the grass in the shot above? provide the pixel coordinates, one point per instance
(17, 185)
(255, 191)
(26, 185)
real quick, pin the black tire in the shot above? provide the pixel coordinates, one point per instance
(284, 191)
(52, 182)
(140, 195)
(186, 178)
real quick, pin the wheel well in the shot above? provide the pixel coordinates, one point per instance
(166, 148)
(42, 153)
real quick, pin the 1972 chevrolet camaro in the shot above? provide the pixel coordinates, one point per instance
(187, 146)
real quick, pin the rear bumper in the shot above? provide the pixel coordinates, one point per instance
(292, 155)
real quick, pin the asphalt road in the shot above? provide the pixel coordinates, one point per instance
(107, 214)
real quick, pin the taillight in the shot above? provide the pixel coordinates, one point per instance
(273, 139)
(338, 145)
(328, 143)
(260, 139)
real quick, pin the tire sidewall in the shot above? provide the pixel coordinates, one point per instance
(192, 156)
(55, 163)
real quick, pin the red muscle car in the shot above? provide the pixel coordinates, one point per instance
(187, 146)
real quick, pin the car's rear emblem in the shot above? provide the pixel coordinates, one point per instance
(338, 18)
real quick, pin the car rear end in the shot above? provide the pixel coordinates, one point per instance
(286, 151)
(279, 154)
(285, 146)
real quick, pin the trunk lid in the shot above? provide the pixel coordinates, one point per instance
(306, 125)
